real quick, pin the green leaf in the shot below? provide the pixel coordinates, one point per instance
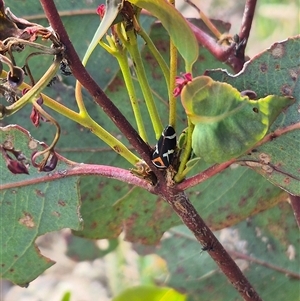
(274, 71)
(150, 293)
(177, 27)
(238, 193)
(29, 211)
(227, 124)
(223, 200)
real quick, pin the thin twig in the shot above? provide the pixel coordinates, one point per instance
(233, 55)
(278, 132)
(266, 264)
(214, 30)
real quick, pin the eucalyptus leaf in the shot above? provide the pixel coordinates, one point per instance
(274, 71)
(30, 206)
(227, 124)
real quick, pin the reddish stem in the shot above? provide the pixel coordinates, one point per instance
(84, 170)
(233, 55)
(221, 53)
(203, 176)
(246, 24)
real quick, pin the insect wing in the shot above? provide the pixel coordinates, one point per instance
(165, 148)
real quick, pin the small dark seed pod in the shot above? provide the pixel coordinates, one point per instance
(50, 164)
(15, 78)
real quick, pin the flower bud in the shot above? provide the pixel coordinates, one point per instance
(101, 10)
(35, 117)
(180, 82)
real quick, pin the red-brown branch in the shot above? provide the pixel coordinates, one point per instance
(84, 170)
(246, 24)
(203, 176)
(190, 217)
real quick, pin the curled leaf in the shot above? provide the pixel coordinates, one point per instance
(227, 124)
(15, 77)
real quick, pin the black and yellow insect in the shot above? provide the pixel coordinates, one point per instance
(164, 149)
